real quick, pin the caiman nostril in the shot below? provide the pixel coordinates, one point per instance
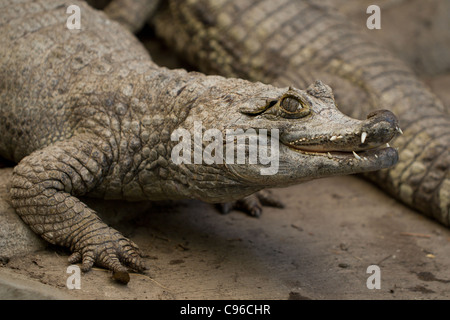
(381, 126)
(379, 116)
(386, 114)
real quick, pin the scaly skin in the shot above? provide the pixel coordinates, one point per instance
(87, 113)
(292, 42)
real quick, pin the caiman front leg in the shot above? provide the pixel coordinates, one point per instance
(44, 190)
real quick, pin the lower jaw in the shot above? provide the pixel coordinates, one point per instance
(366, 155)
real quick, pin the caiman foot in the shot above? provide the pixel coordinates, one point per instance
(253, 204)
(111, 250)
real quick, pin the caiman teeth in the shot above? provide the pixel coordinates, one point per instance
(339, 155)
(363, 137)
(399, 130)
(356, 156)
(336, 137)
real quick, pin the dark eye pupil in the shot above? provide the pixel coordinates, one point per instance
(290, 104)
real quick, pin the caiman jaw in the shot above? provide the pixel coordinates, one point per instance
(372, 134)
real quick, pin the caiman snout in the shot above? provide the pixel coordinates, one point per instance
(382, 126)
(343, 134)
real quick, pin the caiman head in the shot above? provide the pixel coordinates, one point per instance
(287, 136)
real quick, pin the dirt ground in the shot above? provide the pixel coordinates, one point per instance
(319, 247)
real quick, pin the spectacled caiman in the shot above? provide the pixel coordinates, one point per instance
(87, 113)
(289, 42)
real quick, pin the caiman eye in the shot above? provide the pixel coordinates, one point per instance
(290, 104)
(293, 108)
